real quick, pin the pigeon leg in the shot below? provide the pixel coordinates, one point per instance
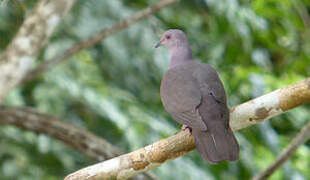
(187, 128)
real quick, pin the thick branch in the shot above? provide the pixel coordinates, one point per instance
(300, 139)
(83, 141)
(246, 114)
(87, 143)
(33, 35)
(87, 43)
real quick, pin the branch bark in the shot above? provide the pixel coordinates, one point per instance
(87, 143)
(33, 35)
(300, 139)
(243, 115)
(87, 43)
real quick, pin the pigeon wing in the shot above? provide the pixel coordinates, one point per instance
(181, 96)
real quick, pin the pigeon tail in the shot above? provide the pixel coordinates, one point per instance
(215, 147)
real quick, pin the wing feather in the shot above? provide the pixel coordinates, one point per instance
(181, 96)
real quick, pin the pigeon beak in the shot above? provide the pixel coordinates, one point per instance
(158, 44)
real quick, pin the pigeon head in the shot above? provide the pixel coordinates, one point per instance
(172, 39)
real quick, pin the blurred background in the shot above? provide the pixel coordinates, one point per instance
(112, 89)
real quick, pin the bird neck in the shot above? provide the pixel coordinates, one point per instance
(180, 55)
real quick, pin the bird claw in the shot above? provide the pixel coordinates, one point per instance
(187, 128)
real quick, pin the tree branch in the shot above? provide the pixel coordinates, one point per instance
(32, 36)
(87, 143)
(87, 43)
(303, 13)
(243, 115)
(300, 139)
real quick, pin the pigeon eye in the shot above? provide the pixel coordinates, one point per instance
(168, 37)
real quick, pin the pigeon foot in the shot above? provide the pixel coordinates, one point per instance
(187, 128)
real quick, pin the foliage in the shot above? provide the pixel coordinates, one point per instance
(112, 89)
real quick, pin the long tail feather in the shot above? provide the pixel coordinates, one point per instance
(218, 145)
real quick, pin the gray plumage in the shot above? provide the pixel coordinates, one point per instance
(194, 95)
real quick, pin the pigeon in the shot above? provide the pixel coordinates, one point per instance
(193, 94)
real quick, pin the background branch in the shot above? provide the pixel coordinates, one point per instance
(300, 139)
(87, 43)
(30, 119)
(243, 115)
(87, 143)
(32, 36)
(303, 13)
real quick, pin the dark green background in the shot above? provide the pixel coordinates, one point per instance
(112, 89)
